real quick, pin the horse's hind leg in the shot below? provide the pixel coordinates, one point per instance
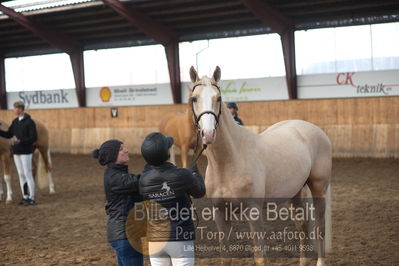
(45, 152)
(319, 184)
(299, 203)
(7, 178)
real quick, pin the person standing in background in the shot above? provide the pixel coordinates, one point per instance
(233, 108)
(24, 135)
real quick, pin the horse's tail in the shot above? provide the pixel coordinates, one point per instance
(328, 222)
(42, 178)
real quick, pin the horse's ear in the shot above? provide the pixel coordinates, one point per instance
(193, 74)
(217, 74)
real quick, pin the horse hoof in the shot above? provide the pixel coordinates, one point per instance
(8, 201)
(52, 191)
(320, 262)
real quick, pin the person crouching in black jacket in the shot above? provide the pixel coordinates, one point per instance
(171, 236)
(121, 193)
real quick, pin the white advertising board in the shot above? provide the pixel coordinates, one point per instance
(154, 94)
(350, 84)
(240, 90)
(335, 85)
(44, 99)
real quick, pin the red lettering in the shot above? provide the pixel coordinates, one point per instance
(339, 82)
(345, 78)
(348, 79)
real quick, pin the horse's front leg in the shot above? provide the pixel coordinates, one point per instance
(223, 225)
(1, 190)
(184, 155)
(172, 158)
(7, 178)
(257, 228)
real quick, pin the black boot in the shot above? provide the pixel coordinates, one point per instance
(31, 202)
(23, 202)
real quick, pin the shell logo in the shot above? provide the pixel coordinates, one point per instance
(105, 94)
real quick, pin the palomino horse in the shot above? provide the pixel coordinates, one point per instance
(278, 163)
(44, 168)
(180, 127)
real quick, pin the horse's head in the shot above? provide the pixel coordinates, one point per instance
(206, 100)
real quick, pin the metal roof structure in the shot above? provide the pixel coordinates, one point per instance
(56, 26)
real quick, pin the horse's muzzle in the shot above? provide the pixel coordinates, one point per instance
(208, 136)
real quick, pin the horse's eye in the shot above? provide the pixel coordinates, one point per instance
(194, 99)
(219, 98)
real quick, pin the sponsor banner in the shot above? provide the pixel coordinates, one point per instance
(241, 90)
(335, 85)
(44, 99)
(349, 84)
(153, 94)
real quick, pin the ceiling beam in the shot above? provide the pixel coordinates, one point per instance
(144, 23)
(288, 43)
(58, 40)
(160, 33)
(281, 24)
(48, 34)
(79, 76)
(271, 16)
(172, 55)
(295, 4)
(3, 93)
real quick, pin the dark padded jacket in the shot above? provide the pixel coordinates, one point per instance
(121, 192)
(169, 187)
(238, 120)
(25, 131)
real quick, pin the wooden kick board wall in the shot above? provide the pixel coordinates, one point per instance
(357, 127)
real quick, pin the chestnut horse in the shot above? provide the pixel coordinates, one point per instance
(43, 171)
(180, 126)
(280, 162)
(5, 155)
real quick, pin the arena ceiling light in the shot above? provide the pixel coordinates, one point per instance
(31, 5)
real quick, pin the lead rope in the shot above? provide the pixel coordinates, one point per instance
(196, 157)
(193, 162)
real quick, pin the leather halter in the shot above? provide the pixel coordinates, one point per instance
(197, 118)
(196, 121)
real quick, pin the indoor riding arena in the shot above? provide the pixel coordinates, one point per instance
(325, 79)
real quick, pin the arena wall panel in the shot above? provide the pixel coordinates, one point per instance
(357, 127)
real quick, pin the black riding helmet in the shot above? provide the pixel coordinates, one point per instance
(155, 148)
(232, 105)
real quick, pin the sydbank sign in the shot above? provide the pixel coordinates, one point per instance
(44, 99)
